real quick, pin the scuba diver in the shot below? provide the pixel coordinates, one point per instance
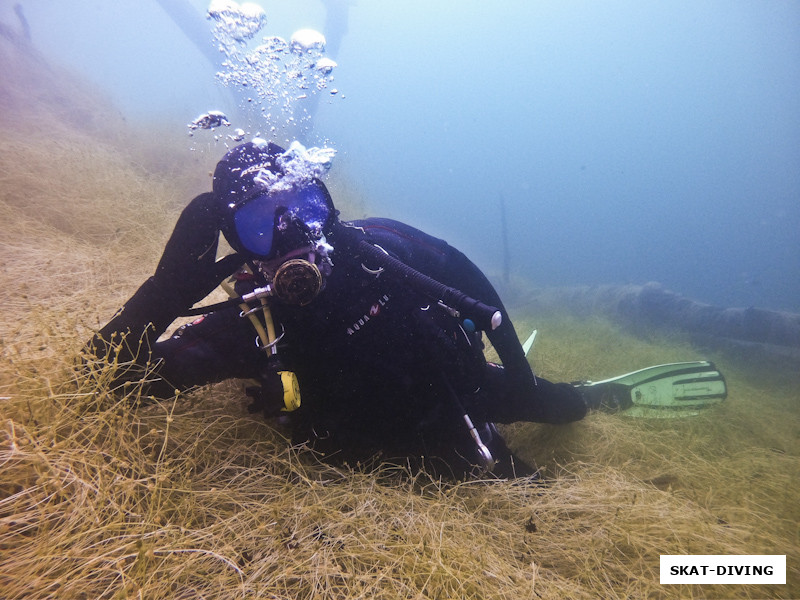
(367, 336)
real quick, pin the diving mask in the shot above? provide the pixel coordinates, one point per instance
(261, 220)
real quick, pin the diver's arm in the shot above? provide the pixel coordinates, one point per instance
(186, 273)
(521, 396)
(128, 340)
(461, 273)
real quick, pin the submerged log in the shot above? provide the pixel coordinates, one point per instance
(644, 307)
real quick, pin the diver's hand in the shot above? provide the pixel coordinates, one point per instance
(267, 396)
(188, 267)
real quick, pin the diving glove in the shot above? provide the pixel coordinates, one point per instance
(275, 392)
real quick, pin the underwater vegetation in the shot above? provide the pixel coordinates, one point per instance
(109, 497)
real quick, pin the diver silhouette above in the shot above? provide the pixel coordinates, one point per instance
(334, 321)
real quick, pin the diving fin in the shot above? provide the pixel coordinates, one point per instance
(526, 347)
(670, 390)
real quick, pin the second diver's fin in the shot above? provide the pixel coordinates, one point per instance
(670, 390)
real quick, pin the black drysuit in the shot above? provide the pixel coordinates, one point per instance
(382, 369)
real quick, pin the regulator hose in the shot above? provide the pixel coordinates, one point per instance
(484, 316)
